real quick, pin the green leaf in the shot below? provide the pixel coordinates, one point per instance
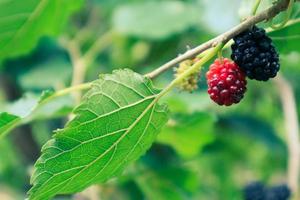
(13, 114)
(7, 122)
(155, 20)
(115, 124)
(23, 106)
(188, 133)
(24, 22)
(287, 39)
(32, 107)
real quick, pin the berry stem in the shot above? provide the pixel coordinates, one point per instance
(194, 68)
(255, 7)
(220, 56)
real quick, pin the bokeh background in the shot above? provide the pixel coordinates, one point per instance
(205, 151)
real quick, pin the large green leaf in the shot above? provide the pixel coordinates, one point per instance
(188, 133)
(24, 22)
(115, 124)
(155, 20)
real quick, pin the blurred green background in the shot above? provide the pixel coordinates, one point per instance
(205, 151)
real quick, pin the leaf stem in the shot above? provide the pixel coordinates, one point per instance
(69, 90)
(255, 7)
(57, 94)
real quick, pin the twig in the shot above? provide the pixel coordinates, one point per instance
(292, 131)
(87, 30)
(80, 61)
(264, 15)
(79, 65)
(101, 43)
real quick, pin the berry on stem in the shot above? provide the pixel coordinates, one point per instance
(255, 54)
(190, 83)
(226, 82)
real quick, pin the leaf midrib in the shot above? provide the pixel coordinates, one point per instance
(112, 112)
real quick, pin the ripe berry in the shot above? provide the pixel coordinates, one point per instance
(254, 191)
(255, 54)
(280, 192)
(226, 82)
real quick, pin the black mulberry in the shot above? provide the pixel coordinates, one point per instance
(255, 54)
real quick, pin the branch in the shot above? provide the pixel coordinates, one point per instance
(79, 65)
(292, 130)
(223, 38)
(81, 62)
(100, 44)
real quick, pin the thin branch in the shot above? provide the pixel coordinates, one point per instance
(79, 65)
(80, 61)
(292, 131)
(101, 43)
(263, 16)
(87, 30)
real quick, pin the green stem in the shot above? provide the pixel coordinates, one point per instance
(57, 94)
(255, 7)
(66, 91)
(194, 68)
(99, 45)
(286, 18)
(220, 56)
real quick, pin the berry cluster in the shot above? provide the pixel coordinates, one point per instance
(254, 52)
(254, 56)
(226, 82)
(257, 191)
(190, 83)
